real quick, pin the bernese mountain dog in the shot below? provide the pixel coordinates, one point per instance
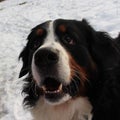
(72, 72)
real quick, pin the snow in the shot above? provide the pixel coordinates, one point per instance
(17, 17)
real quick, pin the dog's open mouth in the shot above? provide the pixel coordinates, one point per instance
(51, 86)
(52, 89)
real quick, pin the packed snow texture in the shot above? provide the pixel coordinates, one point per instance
(17, 17)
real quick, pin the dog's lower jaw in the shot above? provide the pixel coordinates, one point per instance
(73, 109)
(64, 98)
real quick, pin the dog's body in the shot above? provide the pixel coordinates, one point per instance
(73, 72)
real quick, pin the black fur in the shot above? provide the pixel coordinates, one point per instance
(117, 40)
(103, 88)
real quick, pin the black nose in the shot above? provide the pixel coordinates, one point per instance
(46, 57)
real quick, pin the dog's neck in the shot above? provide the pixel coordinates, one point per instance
(76, 109)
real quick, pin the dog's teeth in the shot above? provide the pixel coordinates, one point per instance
(56, 91)
(60, 87)
(43, 87)
(52, 92)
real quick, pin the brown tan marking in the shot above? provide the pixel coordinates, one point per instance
(40, 32)
(62, 28)
(76, 68)
(81, 73)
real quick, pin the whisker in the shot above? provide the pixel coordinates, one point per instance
(74, 70)
(78, 74)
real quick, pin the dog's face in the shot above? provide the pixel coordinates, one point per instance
(59, 57)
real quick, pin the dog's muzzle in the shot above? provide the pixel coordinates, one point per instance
(47, 61)
(52, 68)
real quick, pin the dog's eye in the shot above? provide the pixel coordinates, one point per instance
(68, 40)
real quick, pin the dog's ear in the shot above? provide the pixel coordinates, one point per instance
(24, 56)
(102, 47)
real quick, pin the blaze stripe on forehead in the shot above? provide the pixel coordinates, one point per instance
(51, 36)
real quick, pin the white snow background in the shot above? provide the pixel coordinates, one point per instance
(17, 17)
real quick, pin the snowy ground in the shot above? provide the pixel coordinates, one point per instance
(17, 17)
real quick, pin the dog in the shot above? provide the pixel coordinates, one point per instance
(117, 40)
(72, 72)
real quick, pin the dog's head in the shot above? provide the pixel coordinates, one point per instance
(62, 56)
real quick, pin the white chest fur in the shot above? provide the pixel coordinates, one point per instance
(76, 109)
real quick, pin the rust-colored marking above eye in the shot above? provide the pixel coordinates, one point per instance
(62, 28)
(40, 31)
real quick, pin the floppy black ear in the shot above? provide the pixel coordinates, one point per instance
(102, 47)
(24, 55)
